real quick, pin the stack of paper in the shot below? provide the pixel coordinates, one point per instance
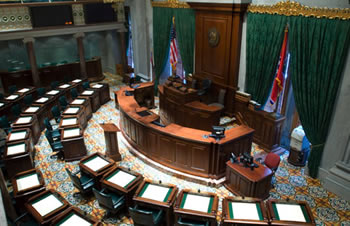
(18, 135)
(87, 92)
(23, 90)
(71, 132)
(69, 121)
(42, 100)
(78, 101)
(11, 97)
(155, 192)
(97, 86)
(73, 110)
(76, 80)
(121, 178)
(244, 211)
(197, 203)
(96, 163)
(16, 149)
(53, 92)
(47, 205)
(27, 182)
(31, 109)
(23, 120)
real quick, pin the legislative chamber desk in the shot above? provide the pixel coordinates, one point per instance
(181, 148)
(84, 103)
(31, 122)
(94, 98)
(243, 181)
(76, 112)
(74, 216)
(40, 112)
(103, 90)
(73, 143)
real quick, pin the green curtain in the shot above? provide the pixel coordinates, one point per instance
(162, 20)
(185, 20)
(264, 41)
(318, 50)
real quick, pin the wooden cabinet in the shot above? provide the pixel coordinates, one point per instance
(111, 137)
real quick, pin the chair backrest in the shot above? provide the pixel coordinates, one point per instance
(206, 83)
(141, 216)
(54, 84)
(28, 100)
(74, 93)
(104, 200)
(49, 137)
(4, 122)
(12, 89)
(63, 101)
(272, 161)
(221, 97)
(86, 85)
(48, 124)
(75, 180)
(1, 96)
(16, 110)
(56, 112)
(41, 91)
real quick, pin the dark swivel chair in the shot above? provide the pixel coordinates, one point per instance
(16, 110)
(54, 84)
(206, 84)
(63, 102)
(112, 202)
(56, 113)
(1, 96)
(56, 146)
(28, 100)
(190, 222)
(84, 184)
(55, 133)
(5, 124)
(146, 216)
(86, 85)
(74, 93)
(12, 89)
(41, 91)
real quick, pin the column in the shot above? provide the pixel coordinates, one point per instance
(119, 10)
(79, 36)
(29, 42)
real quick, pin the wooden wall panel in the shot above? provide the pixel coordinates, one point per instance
(183, 157)
(200, 159)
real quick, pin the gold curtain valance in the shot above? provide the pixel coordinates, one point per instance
(288, 8)
(171, 4)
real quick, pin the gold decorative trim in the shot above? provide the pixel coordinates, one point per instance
(170, 4)
(288, 8)
(113, 1)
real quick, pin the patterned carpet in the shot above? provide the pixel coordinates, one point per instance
(327, 208)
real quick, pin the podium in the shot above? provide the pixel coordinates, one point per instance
(112, 149)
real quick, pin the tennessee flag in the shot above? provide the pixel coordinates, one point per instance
(279, 80)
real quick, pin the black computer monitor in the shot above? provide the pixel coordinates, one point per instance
(218, 132)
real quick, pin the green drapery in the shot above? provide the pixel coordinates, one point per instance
(318, 50)
(264, 41)
(185, 20)
(162, 20)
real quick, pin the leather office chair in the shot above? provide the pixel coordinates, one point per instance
(1, 96)
(5, 124)
(54, 84)
(74, 93)
(12, 89)
(86, 85)
(221, 99)
(16, 110)
(112, 202)
(206, 84)
(55, 133)
(190, 222)
(56, 113)
(41, 91)
(272, 161)
(63, 102)
(84, 184)
(56, 146)
(146, 216)
(28, 100)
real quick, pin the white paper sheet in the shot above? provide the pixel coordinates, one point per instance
(245, 211)
(71, 110)
(97, 86)
(42, 100)
(53, 92)
(76, 80)
(18, 135)
(155, 192)
(96, 163)
(11, 97)
(121, 178)
(2, 104)
(31, 109)
(16, 149)
(47, 205)
(75, 220)
(27, 182)
(22, 120)
(78, 101)
(87, 92)
(23, 90)
(64, 86)
(197, 202)
(71, 132)
(290, 212)
(69, 121)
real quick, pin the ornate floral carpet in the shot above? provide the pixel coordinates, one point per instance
(291, 182)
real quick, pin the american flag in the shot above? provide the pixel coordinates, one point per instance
(173, 48)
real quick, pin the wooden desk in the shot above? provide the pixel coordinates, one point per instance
(157, 196)
(65, 91)
(76, 112)
(243, 181)
(247, 211)
(78, 83)
(196, 206)
(96, 165)
(39, 111)
(181, 148)
(46, 102)
(13, 100)
(122, 181)
(45, 206)
(94, 99)
(289, 213)
(68, 121)
(25, 185)
(54, 94)
(5, 109)
(83, 102)
(18, 157)
(21, 135)
(73, 143)
(30, 122)
(111, 138)
(74, 216)
(28, 90)
(103, 90)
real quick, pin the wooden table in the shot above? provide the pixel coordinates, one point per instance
(96, 165)
(30, 122)
(25, 185)
(243, 181)
(73, 143)
(40, 111)
(83, 102)
(289, 212)
(111, 138)
(45, 206)
(103, 89)
(74, 216)
(157, 196)
(77, 112)
(94, 99)
(18, 157)
(247, 211)
(200, 206)
(122, 181)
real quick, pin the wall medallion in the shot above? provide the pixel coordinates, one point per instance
(213, 37)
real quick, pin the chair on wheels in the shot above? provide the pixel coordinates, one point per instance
(74, 93)
(5, 124)
(63, 102)
(84, 184)
(1, 96)
(41, 91)
(190, 222)
(54, 84)
(221, 99)
(56, 146)
(55, 133)
(146, 216)
(206, 84)
(16, 110)
(12, 89)
(272, 161)
(28, 100)
(86, 85)
(56, 113)
(112, 202)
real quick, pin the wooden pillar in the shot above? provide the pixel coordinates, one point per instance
(79, 36)
(121, 34)
(29, 42)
